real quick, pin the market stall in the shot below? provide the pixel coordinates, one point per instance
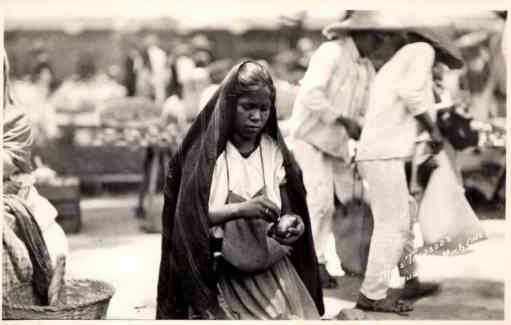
(109, 148)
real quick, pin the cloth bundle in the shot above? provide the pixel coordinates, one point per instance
(447, 221)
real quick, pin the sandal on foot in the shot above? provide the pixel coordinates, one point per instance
(385, 305)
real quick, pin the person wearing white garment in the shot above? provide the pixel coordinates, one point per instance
(32, 239)
(158, 67)
(327, 112)
(400, 98)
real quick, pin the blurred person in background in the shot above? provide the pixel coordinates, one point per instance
(155, 59)
(144, 84)
(202, 50)
(131, 60)
(217, 71)
(42, 73)
(191, 76)
(185, 67)
(153, 75)
(78, 98)
(305, 47)
(202, 56)
(498, 70)
(286, 64)
(327, 112)
(485, 73)
(35, 94)
(32, 239)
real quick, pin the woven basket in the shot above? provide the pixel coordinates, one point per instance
(82, 299)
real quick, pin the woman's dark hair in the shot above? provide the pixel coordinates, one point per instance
(253, 76)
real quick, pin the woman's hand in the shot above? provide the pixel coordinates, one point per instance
(259, 207)
(293, 233)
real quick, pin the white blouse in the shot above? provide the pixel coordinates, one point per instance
(246, 175)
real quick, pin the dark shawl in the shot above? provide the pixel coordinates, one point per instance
(186, 276)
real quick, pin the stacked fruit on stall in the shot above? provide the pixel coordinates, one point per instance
(132, 122)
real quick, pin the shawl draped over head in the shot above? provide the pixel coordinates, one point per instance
(186, 278)
(17, 141)
(17, 137)
(17, 133)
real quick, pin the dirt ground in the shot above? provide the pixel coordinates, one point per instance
(111, 247)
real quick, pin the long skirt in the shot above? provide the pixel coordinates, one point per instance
(277, 293)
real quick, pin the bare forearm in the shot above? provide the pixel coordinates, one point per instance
(224, 213)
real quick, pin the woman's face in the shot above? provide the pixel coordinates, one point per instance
(252, 113)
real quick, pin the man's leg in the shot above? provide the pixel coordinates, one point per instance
(318, 181)
(389, 202)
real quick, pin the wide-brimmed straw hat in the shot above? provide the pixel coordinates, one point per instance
(366, 20)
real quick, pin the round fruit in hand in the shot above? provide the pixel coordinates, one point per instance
(286, 222)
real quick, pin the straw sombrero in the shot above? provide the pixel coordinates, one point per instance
(366, 20)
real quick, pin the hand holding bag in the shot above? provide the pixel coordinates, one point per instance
(246, 244)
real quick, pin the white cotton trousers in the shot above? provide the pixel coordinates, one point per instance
(324, 177)
(392, 237)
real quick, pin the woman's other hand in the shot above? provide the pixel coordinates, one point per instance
(259, 207)
(293, 233)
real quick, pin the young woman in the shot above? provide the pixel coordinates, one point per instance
(233, 165)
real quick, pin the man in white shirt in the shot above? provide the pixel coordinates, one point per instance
(327, 112)
(401, 95)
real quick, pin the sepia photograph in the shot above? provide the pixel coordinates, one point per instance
(263, 160)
